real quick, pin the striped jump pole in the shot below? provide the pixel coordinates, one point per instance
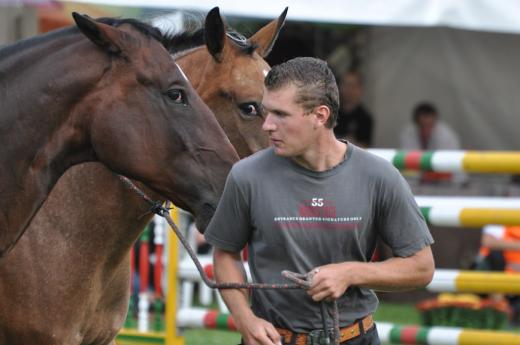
(469, 211)
(470, 217)
(444, 280)
(499, 162)
(396, 334)
(467, 202)
(165, 241)
(205, 318)
(388, 333)
(474, 281)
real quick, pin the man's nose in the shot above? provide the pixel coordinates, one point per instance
(268, 124)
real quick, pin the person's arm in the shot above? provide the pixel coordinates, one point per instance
(255, 331)
(496, 243)
(395, 274)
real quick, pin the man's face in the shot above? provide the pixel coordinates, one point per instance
(426, 123)
(291, 129)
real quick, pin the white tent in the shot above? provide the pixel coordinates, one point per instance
(463, 55)
(487, 15)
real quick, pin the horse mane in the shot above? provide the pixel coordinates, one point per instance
(179, 42)
(173, 42)
(144, 28)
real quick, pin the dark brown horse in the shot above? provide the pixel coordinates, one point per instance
(108, 93)
(67, 281)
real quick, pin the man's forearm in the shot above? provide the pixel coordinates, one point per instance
(396, 274)
(229, 268)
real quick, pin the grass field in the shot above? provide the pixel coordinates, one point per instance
(388, 312)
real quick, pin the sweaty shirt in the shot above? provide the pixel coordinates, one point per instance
(296, 219)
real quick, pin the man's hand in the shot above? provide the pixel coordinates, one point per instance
(395, 274)
(257, 331)
(329, 282)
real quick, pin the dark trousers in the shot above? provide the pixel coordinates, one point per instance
(369, 338)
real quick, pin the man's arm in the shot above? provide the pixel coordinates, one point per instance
(395, 274)
(255, 331)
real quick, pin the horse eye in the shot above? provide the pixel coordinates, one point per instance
(250, 109)
(177, 96)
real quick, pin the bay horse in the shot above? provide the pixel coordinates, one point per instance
(107, 93)
(67, 281)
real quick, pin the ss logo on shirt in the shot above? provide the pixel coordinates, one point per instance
(317, 202)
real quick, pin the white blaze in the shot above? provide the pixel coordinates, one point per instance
(183, 74)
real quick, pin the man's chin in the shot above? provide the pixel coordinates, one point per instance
(280, 152)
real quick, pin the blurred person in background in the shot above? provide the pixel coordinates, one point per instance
(500, 251)
(427, 131)
(355, 123)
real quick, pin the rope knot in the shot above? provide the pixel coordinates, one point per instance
(303, 280)
(158, 208)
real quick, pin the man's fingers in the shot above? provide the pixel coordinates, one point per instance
(320, 292)
(273, 334)
(320, 296)
(265, 339)
(316, 287)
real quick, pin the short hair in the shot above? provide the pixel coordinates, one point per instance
(424, 108)
(315, 84)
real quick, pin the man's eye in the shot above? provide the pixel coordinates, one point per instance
(177, 96)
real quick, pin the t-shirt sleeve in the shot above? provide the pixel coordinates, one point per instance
(400, 222)
(229, 229)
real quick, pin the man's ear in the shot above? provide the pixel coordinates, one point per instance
(322, 113)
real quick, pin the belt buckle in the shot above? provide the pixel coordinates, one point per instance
(318, 337)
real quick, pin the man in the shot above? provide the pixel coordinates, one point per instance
(314, 203)
(428, 132)
(355, 123)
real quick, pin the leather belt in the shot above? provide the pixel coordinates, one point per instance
(356, 329)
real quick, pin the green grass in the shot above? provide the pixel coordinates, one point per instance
(211, 337)
(399, 313)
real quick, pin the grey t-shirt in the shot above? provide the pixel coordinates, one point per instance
(296, 219)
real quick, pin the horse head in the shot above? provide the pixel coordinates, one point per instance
(147, 122)
(229, 75)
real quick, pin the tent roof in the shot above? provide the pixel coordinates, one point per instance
(482, 15)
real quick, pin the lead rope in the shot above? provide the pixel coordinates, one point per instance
(301, 281)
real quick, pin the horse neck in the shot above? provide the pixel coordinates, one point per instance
(44, 86)
(39, 139)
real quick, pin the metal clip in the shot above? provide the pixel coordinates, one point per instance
(318, 337)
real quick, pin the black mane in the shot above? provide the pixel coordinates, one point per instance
(174, 43)
(183, 41)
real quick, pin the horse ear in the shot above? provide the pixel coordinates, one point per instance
(215, 34)
(101, 34)
(266, 36)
